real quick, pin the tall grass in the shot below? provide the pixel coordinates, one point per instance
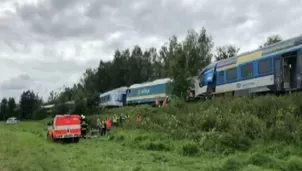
(226, 134)
(226, 124)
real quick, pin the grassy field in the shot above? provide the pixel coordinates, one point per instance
(24, 147)
(227, 134)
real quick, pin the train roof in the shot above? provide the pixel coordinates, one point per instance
(114, 90)
(150, 83)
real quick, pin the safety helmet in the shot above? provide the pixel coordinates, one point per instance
(82, 116)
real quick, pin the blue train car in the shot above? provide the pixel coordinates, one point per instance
(113, 98)
(146, 93)
(274, 68)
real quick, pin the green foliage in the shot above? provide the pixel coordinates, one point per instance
(190, 149)
(224, 125)
(61, 109)
(294, 164)
(272, 40)
(225, 52)
(3, 109)
(29, 103)
(231, 164)
(29, 107)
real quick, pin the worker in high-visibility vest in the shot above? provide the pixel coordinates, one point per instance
(127, 116)
(98, 125)
(103, 127)
(114, 120)
(121, 119)
(166, 100)
(84, 126)
(157, 103)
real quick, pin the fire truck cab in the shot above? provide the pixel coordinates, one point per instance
(65, 127)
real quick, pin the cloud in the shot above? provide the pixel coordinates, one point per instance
(45, 44)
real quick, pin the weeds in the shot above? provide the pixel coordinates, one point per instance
(246, 134)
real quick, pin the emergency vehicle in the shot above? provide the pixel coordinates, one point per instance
(65, 127)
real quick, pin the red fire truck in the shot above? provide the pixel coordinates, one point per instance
(65, 127)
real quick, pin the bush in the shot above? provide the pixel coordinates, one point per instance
(224, 124)
(190, 149)
(231, 164)
(294, 164)
(259, 159)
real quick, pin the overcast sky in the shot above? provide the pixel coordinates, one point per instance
(45, 44)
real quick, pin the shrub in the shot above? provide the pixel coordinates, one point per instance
(294, 164)
(231, 164)
(190, 149)
(232, 122)
(259, 159)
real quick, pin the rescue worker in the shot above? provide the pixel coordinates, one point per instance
(108, 124)
(114, 120)
(121, 119)
(138, 117)
(98, 124)
(103, 127)
(157, 103)
(165, 102)
(127, 116)
(84, 126)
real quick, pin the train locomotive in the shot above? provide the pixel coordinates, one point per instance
(276, 68)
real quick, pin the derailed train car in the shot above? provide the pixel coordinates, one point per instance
(113, 98)
(146, 93)
(275, 68)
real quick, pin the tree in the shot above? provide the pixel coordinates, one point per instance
(61, 108)
(29, 103)
(197, 48)
(11, 107)
(176, 59)
(225, 52)
(3, 109)
(272, 40)
(186, 59)
(52, 97)
(79, 106)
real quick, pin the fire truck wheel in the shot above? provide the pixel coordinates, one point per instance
(76, 140)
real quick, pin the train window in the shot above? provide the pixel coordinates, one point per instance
(265, 66)
(246, 70)
(231, 74)
(221, 76)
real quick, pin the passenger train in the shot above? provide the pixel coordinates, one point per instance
(113, 98)
(275, 68)
(144, 93)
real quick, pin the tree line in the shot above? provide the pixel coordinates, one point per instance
(175, 59)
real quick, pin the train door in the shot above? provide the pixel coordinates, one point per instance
(278, 74)
(299, 70)
(211, 80)
(289, 66)
(124, 99)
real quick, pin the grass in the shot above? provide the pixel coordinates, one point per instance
(24, 147)
(226, 134)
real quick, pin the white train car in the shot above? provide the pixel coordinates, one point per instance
(113, 98)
